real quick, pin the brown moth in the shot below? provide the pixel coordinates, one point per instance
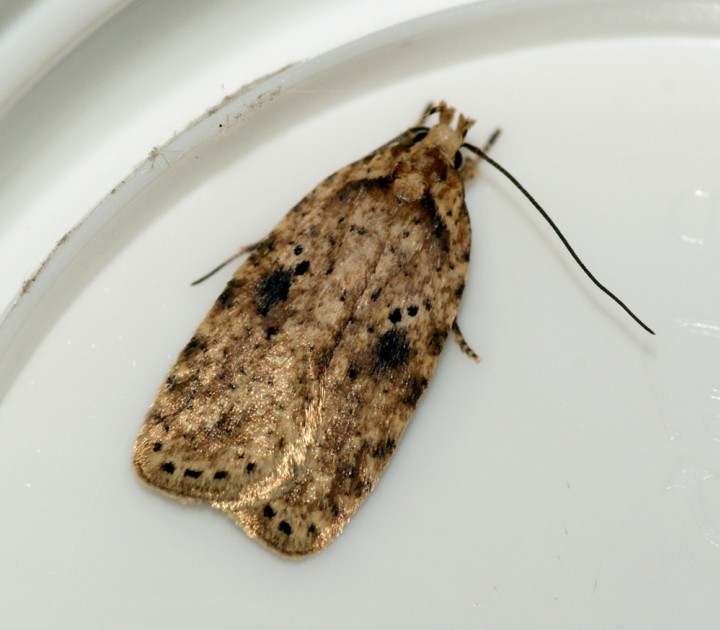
(287, 403)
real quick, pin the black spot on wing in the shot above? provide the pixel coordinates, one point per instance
(196, 344)
(272, 289)
(437, 341)
(384, 449)
(383, 183)
(437, 224)
(415, 389)
(223, 423)
(227, 298)
(350, 190)
(392, 350)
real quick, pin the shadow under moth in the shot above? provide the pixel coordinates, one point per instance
(285, 406)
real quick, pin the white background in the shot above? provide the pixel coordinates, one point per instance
(568, 481)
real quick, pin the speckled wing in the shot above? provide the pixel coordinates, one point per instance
(382, 360)
(229, 422)
(286, 404)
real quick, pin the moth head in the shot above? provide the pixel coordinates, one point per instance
(442, 135)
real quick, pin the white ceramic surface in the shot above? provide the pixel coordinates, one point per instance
(570, 480)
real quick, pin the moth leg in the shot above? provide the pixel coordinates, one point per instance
(491, 140)
(247, 249)
(470, 167)
(464, 346)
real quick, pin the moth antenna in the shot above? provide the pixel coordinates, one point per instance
(481, 153)
(428, 111)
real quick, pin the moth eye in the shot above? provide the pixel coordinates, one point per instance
(419, 135)
(458, 161)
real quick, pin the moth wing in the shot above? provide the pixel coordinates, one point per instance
(231, 421)
(380, 366)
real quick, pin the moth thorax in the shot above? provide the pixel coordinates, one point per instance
(446, 140)
(410, 187)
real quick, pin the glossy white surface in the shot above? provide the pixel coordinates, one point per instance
(572, 479)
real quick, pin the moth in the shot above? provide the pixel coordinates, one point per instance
(286, 405)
